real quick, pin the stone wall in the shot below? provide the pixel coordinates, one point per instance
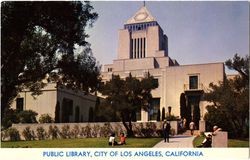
(82, 130)
(220, 140)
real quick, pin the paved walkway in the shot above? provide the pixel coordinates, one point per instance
(177, 141)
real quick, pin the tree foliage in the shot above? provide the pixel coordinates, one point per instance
(183, 106)
(128, 96)
(39, 41)
(230, 100)
(45, 118)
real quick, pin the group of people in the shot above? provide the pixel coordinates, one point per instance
(113, 142)
(166, 127)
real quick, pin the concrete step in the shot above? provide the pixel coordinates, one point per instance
(188, 132)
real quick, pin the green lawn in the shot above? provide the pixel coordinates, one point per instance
(231, 142)
(82, 143)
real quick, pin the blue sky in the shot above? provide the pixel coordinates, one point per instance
(198, 32)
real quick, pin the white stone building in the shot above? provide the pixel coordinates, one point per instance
(142, 48)
(72, 106)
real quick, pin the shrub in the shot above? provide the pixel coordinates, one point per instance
(45, 118)
(172, 118)
(3, 135)
(41, 134)
(27, 116)
(149, 130)
(75, 131)
(95, 130)
(65, 133)
(28, 134)
(53, 132)
(9, 118)
(87, 131)
(13, 133)
(159, 132)
(105, 130)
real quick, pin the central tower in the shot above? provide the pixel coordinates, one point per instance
(142, 45)
(142, 37)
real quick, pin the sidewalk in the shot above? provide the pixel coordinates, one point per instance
(177, 141)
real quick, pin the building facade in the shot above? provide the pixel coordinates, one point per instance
(143, 48)
(69, 105)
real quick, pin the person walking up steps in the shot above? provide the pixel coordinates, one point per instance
(166, 129)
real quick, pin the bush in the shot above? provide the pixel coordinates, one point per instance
(10, 116)
(28, 134)
(87, 131)
(53, 132)
(75, 131)
(95, 130)
(13, 134)
(41, 134)
(172, 118)
(65, 133)
(27, 116)
(105, 130)
(45, 118)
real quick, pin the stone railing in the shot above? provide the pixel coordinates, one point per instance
(220, 140)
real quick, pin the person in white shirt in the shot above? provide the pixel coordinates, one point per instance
(112, 141)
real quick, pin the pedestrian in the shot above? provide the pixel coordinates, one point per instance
(122, 139)
(112, 141)
(216, 129)
(192, 127)
(184, 123)
(166, 129)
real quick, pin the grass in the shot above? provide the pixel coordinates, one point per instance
(238, 143)
(231, 142)
(82, 143)
(197, 140)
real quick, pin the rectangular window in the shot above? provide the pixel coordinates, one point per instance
(19, 104)
(156, 82)
(135, 48)
(138, 115)
(138, 47)
(109, 69)
(131, 50)
(141, 48)
(154, 110)
(193, 82)
(144, 47)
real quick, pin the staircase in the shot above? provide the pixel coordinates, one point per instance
(188, 133)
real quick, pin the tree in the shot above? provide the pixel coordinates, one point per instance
(163, 114)
(128, 96)
(230, 98)
(158, 115)
(39, 41)
(57, 112)
(183, 106)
